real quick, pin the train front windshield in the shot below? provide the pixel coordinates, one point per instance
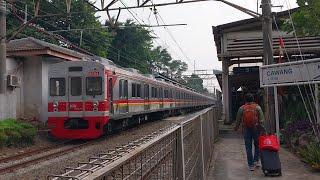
(93, 86)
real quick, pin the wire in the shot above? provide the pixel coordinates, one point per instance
(300, 92)
(172, 37)
(127, 57)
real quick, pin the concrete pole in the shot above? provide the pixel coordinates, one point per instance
(3, 69)
(225, 90)
(268, 59)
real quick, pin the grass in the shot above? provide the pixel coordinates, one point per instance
(311, 155)
(15, 133)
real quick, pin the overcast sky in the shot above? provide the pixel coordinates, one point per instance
(195, 41)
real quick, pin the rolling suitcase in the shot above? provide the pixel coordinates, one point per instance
(269, 153)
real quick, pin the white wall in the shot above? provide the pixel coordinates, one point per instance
(10, 104)
(32, 83)
(30, 100)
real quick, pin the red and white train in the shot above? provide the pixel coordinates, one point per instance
(90, 98)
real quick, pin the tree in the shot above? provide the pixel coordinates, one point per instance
(307, 19)
(196, 83)
(95, 39)
(131, 46)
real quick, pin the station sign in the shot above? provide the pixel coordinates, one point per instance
(291, 73)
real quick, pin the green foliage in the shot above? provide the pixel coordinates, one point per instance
(132, 48)
(14, 133)
(311, 155)
(195, 82)
(306, 19)
(95, 38)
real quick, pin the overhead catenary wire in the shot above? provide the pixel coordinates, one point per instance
(298, 86)
(127, 57)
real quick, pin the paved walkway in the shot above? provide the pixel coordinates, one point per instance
(229, 163)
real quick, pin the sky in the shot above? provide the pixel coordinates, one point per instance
(193, 42)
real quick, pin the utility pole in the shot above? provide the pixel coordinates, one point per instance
(268, 59)
(3, 66)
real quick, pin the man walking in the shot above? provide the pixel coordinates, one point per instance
(251, 117)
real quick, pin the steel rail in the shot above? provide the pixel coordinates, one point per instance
(32, 152)
(42, 158)
(114, 158)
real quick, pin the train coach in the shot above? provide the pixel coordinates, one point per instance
(90, 98)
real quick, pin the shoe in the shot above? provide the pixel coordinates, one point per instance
(251, 168)
(257, 164)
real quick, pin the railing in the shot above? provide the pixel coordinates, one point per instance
(180, 152)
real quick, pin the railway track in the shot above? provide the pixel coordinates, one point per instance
(32, 152)
(21, 161)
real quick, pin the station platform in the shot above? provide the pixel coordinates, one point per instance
(229, 162)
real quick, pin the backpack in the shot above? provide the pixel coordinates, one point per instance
(250, 115)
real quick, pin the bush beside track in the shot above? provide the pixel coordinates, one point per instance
(16, 133)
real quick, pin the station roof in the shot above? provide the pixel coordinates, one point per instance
(34, 47)
(242, 41)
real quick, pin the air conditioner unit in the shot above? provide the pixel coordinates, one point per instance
(12, 81)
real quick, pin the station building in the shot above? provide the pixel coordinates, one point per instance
(240, 49)
(27, 77)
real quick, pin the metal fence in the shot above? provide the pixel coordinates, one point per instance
(180, 152)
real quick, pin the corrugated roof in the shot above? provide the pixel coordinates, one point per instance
(32, 44)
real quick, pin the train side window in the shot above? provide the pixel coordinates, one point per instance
(133, 89)
(125, 88)
(94, 86)
(121, 88)
(166, 95)
(76, 86)
(146, 91)
(138, 90)
(161, 92)
(153, 92)
(57, 86)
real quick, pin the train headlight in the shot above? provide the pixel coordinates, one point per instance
(55, 104)
(95, 104)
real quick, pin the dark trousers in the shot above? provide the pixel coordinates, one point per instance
(250, 136)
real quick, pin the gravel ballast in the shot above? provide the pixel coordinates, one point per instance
(56, 165)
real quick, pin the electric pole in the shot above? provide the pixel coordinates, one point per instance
(3, 68)
(268, 59)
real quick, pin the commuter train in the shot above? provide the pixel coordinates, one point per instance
(90, 98)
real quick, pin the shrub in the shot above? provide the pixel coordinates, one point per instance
(14, 133)
(311, 155)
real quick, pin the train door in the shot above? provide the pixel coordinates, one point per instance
(146, 97)
(110, 88)
(75, 95)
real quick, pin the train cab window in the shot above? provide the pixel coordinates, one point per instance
(57, 86)
(94, 86)
(76, 86)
